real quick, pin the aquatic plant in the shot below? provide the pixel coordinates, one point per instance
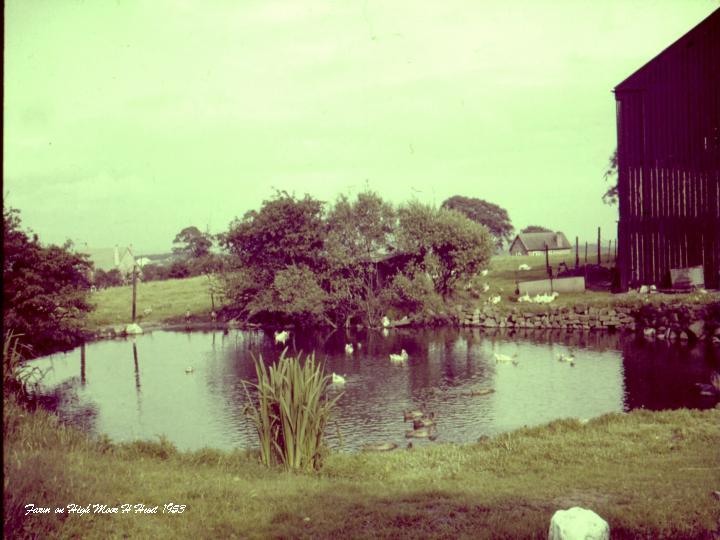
(290, 410)
(18, 377)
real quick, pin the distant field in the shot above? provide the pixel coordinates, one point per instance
(168, 300)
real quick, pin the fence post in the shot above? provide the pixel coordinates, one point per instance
(577, 253)
(599, 247)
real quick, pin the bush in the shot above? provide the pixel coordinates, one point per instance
(290, 411)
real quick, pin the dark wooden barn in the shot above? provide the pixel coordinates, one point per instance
(668, 126)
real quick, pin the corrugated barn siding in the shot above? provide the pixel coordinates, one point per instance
(668, 123)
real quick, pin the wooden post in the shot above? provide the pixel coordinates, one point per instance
(134, 286)
(577, 253)
(586, 246)
(137, 368)
(82, 364)
(609, 250)
(547, 262)
(615, 251)
(599, 261)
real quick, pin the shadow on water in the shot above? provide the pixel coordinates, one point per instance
(187, 385)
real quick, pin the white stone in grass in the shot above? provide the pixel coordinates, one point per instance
(578, 524)
(132, 329)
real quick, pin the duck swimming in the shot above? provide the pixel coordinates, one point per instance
(349, 348)
(337, 379)
(569, 358)
(189, 369)
(402, 357)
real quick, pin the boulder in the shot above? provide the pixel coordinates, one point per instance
(697, 329)
(578, 524)
(133, 329)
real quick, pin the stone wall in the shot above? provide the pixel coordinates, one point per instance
(676, 321)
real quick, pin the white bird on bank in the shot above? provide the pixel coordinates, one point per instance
(486, 287)
(338, 379)
(402, 357)
(349, 348)
(495, 299)
(484, 273)
(524, 267)
(385, 322)
(282, 337)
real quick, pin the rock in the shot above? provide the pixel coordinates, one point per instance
(697, 329)
(578, 524)
(133, 329)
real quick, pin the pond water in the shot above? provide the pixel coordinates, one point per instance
(139, 389)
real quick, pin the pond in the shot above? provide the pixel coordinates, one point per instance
(138, 388)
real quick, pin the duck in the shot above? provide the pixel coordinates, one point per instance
(484, 273)
(413, 415)
(499, 357)
(338, 379)
(189, 369)
(385, 322)
(524, 267)
(495, 299)
(402, 357)
(569, 358)
(485, 287)
(282, 337)
(349, 348)
(424, 421)
(421, 433)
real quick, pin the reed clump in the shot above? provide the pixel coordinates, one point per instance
(290, 409)
(19, 378)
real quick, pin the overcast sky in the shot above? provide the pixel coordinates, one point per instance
(127, 120)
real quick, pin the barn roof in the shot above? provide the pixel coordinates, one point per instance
(536, 241)
(710, 27)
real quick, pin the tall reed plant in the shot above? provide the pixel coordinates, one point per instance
(18, 377)
(290, 409)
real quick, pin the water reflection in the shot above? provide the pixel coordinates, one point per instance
(449, 371)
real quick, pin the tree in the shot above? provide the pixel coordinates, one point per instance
(45, 289)
(111, 278)
(493, 217)
(449, 247)
(610, 175)
(193, 243)
(535, 228)
(358, 233)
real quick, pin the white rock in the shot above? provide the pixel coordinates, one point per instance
(578, 524)
(132, 329)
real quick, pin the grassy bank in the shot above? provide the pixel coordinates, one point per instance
(166, 300)
(169, 300)
(649, 474)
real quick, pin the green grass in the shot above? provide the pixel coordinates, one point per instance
(169, 300)
(650, 475)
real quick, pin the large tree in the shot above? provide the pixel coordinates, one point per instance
(45, 289)
(490, 215)
(190, 242)
(449, 247)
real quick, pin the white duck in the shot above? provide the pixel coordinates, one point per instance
(349, 348)
(569, 358)
(282, 337)
(484, 273)
(338, 379)
(485, 287)
(402, 357)
(189, 369)
(500, 357)
(524, 267)
(495, 299)
(385, 322)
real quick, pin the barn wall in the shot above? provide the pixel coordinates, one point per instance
(668, 120)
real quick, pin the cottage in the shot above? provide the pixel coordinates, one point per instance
(117, 258)
(668, 129)
(534, 244)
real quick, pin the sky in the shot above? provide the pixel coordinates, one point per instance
(128, 120)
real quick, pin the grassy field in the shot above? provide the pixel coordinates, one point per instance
(650, 475)
(169, 300)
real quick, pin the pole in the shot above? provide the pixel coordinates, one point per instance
(599, 247)
(586, 246)
(609, 250)
(547, 262)
(134, 285)
(577, 253)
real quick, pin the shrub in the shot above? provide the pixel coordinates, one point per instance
(290, 411)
